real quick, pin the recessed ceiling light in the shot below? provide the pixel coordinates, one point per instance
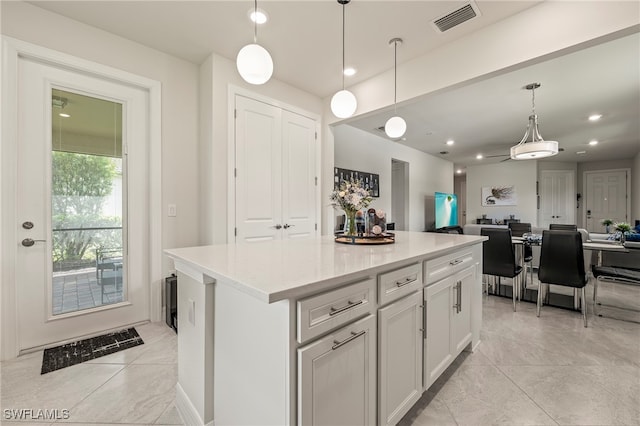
(259, 17)
(595, 117)
(450, 142)
(349, 71)
(479, 157)
(62, 114)
(458, 171)
(593, 142)
(581, 152)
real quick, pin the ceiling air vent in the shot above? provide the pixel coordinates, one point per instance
(457, 17)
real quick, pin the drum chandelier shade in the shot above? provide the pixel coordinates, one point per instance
(343, 103)
(254, 62)
(395, 126)
(537, 147)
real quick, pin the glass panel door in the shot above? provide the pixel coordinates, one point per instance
(87, 209)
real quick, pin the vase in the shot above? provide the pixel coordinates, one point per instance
(606, 229)
(350, 222)
(623, 237)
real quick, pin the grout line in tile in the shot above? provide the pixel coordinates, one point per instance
(528, 396)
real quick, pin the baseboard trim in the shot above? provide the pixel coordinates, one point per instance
(187, 411)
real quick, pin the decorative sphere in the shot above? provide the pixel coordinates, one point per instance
(343, 104)
(254, 64)
(395, 127)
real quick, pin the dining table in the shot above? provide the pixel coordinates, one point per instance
(559, 299)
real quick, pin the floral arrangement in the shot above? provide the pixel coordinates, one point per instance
(607, 222)
(351, 197)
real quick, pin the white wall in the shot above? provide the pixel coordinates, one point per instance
(217, 74)
(520, 174)
(179, 81)
(358, 150)
(635, 189)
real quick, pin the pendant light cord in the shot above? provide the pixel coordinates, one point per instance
(343, 4)
(395, 75)
(533, 100)
(255, 22)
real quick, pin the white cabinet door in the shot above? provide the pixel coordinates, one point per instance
(337, 377)
(258, 164)
(399, 358)
(276, 190)
(437, 345)
(461, 317)
(298, 175)
(557, 197)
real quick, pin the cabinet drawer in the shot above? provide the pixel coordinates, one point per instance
(326, 311)
(393, 285)
(436, 269)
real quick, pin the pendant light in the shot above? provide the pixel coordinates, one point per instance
(254, 63)
(395, 126)
(537, 147)
(343, 103)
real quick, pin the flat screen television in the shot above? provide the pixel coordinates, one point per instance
(446, 209)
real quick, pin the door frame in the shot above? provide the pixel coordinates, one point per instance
(584, 191)
(12, 51)
(232, 92)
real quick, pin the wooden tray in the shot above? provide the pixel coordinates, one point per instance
(385, 238)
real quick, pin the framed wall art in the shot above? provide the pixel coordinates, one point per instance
(499, 196)
(370, 181)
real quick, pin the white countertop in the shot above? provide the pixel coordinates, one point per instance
(277, 270)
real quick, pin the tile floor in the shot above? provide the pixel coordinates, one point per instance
(527, 370)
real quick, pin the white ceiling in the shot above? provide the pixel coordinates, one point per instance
(488, 116)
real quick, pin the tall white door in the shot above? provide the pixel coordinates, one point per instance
(606, 195)
(275, 173)
(299, 182)
(82, 261)
(557, 197)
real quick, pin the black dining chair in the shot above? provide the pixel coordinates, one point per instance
(562, 263)
(498, 257)
(518, 229)
(562, 227)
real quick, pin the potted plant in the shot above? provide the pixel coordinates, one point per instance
(607, 223)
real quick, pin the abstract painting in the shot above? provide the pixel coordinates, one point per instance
(499, 196)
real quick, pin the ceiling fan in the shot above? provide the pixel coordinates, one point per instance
(502, 155)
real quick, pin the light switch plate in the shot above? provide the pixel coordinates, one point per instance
(172, 211)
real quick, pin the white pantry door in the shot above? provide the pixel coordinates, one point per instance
(275, 173)
(107, 286)
(605, 198)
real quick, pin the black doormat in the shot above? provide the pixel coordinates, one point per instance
(83, 350)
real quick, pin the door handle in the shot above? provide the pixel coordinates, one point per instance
(278, 226)
(287, 226)
(28, 242)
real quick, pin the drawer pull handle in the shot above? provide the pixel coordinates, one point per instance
(406, 281)
(455, 262)
(354, 335)
(349, 305)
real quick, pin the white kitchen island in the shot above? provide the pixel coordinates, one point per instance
(315, 332)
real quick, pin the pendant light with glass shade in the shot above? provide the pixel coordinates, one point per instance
(343, 103)
(537, 147)
(254, 63)
(395, 126)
